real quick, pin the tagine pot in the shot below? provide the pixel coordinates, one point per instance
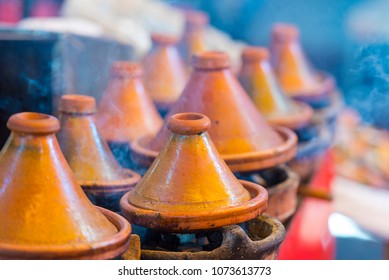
(257, 239)
(189, 192)
(189, 187)
(241, 135)
(298, 78)
(126, 110)
(294, 72)
(164, 72)
(88, 155)
(258, 79)
(44, 212)
(193, 40)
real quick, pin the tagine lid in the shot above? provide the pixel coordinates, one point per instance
(44, 212)
(126, 111)
(189, 187)
(258, 79)
(240, 133)
(87, 153)
(293, 69)
(165, 74)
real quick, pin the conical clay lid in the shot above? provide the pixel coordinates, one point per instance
(258, 79)
(86, 152)
(241, 135)
(126, 111)
(44, 213)
(164, 71)
(189, 187)
(193, 40)
(292, 68)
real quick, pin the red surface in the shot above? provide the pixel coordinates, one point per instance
(323, 178)
(45, 8)
(308, 237)
(11, 11)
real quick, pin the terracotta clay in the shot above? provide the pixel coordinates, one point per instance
(295, 74)
(87, 153)
(164, 71)
(43, 211)
(261, 242)
(193, 41)
(243, 138)
(189, 187)
(126, 111)
(258, 79)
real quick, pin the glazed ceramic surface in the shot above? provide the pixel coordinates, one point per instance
(240, 133)
(294, 72)
(164, 71)
(258, 79)
(189, 187)
(43, 211)
(193, 41)
(126, 110)
(86, 152)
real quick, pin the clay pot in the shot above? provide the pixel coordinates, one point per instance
(126, 111)
(44, 212)
(261, 242)
(243, 138)
(193, 41)
(297, 77)
(89, 156)
(258, 79)
(189, 187)
(165, 73)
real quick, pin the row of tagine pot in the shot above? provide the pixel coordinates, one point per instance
(133, 130)
(189, 203)
(283, 85)
(211, 168)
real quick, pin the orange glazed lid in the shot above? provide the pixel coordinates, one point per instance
(258, 79)
(189, 187)
(87, 153)
(293, 70)
(126, 110)
(240, 133)
(164, 71)
(43, 211)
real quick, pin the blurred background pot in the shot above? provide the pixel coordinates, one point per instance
(89, 156)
